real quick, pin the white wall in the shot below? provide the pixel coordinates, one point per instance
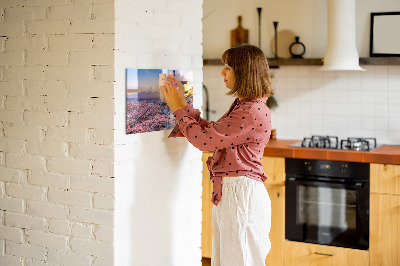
(344, 103)
(62, 135)
(56, 132)
(313, 102)
(158, 180)
(305, 18)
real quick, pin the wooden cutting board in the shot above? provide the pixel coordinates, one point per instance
(239, 35)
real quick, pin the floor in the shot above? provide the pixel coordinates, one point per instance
(206, 261)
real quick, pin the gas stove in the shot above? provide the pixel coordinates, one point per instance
(332, 142)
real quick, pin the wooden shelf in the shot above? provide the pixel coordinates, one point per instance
(274, 63)
(380, 61)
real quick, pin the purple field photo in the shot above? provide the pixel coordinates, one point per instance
(146, 110)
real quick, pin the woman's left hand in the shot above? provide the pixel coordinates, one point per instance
(171, 96)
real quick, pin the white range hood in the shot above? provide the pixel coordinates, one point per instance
(341, 51)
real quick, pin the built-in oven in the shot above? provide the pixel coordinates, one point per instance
(327, 202)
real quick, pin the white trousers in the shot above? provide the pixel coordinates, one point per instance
(241, 223)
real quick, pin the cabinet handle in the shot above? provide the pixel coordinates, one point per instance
(325, 254)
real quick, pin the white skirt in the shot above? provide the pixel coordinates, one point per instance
(241, 223)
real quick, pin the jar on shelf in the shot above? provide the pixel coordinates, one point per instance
(297, 49)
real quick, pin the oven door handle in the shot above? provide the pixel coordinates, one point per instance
(357, 185)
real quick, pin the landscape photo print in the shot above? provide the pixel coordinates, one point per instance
(146, 109)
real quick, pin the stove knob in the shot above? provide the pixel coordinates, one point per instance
(343, 168)
(308, 166)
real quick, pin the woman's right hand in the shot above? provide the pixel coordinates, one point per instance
(181, 90)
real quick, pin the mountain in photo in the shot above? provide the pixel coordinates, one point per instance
(148, 94)
(142, 94)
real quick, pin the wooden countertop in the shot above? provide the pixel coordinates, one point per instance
(389, 154)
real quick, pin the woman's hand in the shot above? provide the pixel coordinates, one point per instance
(180, 88)
(173, 95)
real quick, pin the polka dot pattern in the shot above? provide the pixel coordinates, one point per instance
(238, 139)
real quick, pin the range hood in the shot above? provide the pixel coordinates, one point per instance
(341, 51)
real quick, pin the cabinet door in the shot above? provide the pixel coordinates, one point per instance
(274, 168)
(384, 230)
(304, 254)
(277, 233)
(385, 178)
(206, 226)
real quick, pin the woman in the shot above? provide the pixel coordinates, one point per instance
(242, 208)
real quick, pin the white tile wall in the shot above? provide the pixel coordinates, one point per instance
(342, 103)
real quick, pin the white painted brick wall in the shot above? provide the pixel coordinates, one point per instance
(25, 103)
(82, 230)
(69, 197)
(69, 166)
(60, 227)
(25, 191)
(22, 132)
(68, 258)
(25, 161)
(46, 58)
(46, 240)
(104, 185)
(91, 247)
(11, 260)
(88, 215)
(93, 89)
(103, 168)
(17, 220)
(56, 132)
(25, 251)
(69, 135)
(11, 233)
(104, 233)
(25, 13)
(103, 202)
(66, 12)
(48, 179)
(9, 174)
(60, 73)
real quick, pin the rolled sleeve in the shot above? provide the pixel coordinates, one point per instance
(193, 113)
(228, 132)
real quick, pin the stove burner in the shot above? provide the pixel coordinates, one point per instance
(358, 144)
(332, 142)
(328, 142)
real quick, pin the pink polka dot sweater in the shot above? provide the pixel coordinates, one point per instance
(238, 139)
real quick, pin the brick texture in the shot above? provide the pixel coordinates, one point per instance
(56, 125)
(62, 98)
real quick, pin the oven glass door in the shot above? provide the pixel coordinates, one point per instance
(326, 213)
(326, 207)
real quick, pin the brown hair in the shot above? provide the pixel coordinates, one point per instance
(250, 66)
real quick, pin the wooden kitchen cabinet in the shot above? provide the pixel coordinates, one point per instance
(277, 233)
(274, 168)
(305, 254)
(385, 178)
(206, 225)
(384, 236)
